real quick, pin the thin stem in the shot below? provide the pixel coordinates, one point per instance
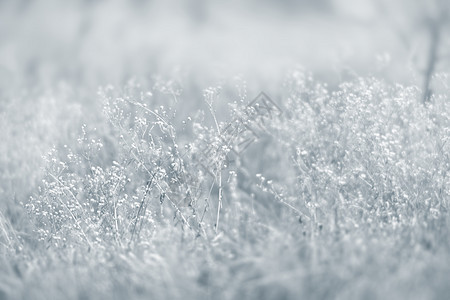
(219, 206)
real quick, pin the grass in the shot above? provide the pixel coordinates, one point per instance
(324, 193)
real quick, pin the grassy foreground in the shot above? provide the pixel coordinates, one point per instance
(316, 193)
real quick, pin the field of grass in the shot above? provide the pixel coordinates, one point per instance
(192, 185)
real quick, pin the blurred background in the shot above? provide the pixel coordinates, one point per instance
(96, 42)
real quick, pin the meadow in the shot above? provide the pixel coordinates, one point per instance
(122, 177)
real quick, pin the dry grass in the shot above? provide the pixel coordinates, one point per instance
(342, 195)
